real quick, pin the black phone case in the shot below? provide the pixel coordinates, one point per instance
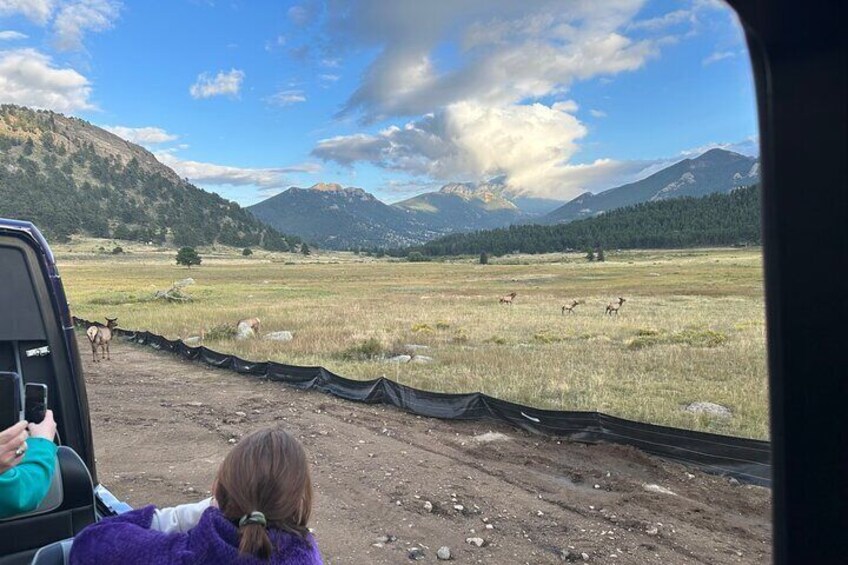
(34, 412)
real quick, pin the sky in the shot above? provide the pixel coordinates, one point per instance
(248, 97)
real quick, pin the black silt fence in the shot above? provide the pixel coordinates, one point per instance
(748, 460)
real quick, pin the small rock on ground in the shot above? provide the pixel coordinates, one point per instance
(422, 359)
(658, 489)
(444, 553)
(475, 541)
(399, 359)
(244, 331)
(279, 336)
(709, 408)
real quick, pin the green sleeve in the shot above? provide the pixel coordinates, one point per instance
(23, 487)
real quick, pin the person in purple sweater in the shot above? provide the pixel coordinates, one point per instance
(258, 515)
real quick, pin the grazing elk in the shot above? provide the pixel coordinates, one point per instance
(252, 323)
(100, 336)
(507, 299)
(614, 306)
(570, 308)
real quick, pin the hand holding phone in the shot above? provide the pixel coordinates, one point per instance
(46, 429)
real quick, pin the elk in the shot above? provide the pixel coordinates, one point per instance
(507, 299)
(253, 323)
(100, 336)
(570, 308)
(614, 306)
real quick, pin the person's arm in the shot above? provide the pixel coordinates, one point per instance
(23, 487)
(128, 538)
(180, 518)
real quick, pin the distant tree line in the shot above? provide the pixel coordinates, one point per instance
(715, 220)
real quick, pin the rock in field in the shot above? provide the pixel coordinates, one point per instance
(244, 331)
(279, 336)
(399, 359)
(444, 553)
(422, 359)
(192, 341)
(416, 347)
(709, 408)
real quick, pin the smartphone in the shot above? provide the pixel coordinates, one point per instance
(11, 406)
(35, 403)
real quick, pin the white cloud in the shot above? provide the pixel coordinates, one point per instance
(38, 11)
(29, 78)
(76, 18)
(287, 98)
(661, 22)
(530, 144)
(329, 77)
(718, 56)
(143, 135)
(225, 175)
(12, 36)
(597, 113)
(222, 84)
(509, 52)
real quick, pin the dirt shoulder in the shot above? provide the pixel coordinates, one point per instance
(162, 426)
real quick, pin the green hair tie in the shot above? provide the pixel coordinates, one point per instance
(253, 518)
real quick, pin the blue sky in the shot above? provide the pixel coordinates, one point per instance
(246, 98)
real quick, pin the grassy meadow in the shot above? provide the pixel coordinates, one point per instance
(692, 328)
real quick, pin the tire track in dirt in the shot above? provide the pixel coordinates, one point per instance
(162, 425)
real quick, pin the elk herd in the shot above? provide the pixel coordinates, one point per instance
(612, 308)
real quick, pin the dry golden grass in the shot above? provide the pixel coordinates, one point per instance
(692, 328)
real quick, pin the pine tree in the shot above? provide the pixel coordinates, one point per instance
(188, 256)
(305, 249)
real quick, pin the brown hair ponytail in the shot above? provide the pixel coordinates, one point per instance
(263, 483)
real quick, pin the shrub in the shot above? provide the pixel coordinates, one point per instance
(416, 257)
(117, 250)
(369, 349)
(546, 336)
(422, 328)
(442, 325)
(221, 331)
(484, 258)
(247, 252)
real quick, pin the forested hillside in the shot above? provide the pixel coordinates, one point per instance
(714, 220)
(70, 177)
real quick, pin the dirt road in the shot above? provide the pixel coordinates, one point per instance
(162, 426)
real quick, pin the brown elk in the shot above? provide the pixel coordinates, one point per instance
(253, 323)
(100, 336)
(614, 306)
(507, 299)
(570, 307)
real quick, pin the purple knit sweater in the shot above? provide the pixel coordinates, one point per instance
(128, 540)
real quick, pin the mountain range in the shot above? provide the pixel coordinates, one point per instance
(344, 218)
(71, 177)
(717, 170)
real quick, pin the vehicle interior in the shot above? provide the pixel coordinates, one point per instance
(800, 59)
(32, 344)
